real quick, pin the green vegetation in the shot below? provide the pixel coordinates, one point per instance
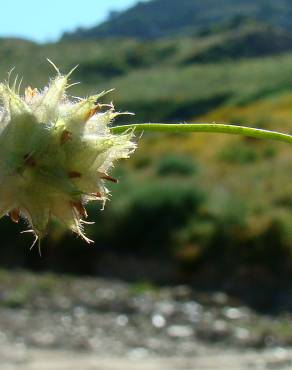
(165, 89)
(172, 164)
(168, 18)
(213, 206)
(247, 42)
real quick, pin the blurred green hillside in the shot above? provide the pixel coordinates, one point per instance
(172, 18)
(169, 80)
(214, 209)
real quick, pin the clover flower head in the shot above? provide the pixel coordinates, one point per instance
(55, 154)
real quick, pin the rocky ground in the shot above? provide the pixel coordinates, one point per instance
(59, 322)
(35, 359)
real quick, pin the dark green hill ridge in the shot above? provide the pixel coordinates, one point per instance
(166, 18)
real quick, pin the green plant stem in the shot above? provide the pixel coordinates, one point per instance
(205, 127)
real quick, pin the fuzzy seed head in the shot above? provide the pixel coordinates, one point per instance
(56, 153)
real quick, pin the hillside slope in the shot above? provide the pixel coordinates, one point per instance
(165, 18)
(157, 80)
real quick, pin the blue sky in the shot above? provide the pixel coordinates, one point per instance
(46, 20)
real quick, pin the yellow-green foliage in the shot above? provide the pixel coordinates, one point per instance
(247, 197)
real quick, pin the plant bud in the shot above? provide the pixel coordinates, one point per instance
(55, 153)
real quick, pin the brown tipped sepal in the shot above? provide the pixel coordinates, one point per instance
(104, 176)
(14, 215)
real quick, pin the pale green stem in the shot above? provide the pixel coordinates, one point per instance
(204, 127)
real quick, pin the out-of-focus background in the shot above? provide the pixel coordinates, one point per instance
(192, 262)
